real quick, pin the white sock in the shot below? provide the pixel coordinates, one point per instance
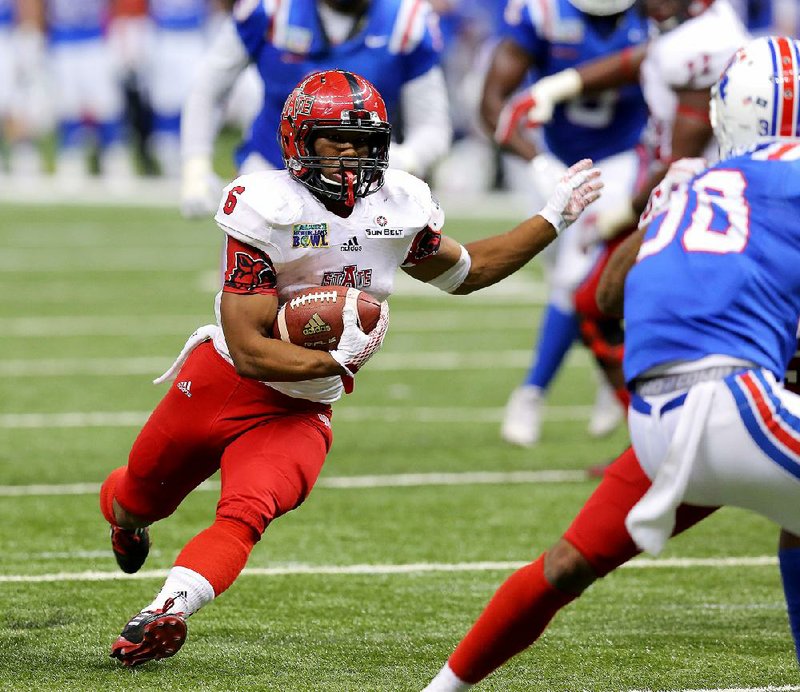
(447, 681)
(189, 591)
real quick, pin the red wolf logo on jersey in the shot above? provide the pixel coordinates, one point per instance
(251, 273)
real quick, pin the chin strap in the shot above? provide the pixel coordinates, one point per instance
(351, 189)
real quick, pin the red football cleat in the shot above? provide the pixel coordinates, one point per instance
(130, 547)
(150, 636)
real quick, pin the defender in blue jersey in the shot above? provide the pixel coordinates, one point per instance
(711, 309)
(547, 38)
(393, 43)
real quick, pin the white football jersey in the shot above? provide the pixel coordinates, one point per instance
(309, 246)
(691, 56)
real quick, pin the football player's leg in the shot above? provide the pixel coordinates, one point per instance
(71, 161)
(170, 457)
(595, 544)
(266, 472)
(522, 418)
(789, 559)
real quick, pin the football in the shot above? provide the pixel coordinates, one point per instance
(313, 318)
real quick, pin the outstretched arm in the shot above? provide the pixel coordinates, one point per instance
(479, 264)
(613, 71)
(535, 106)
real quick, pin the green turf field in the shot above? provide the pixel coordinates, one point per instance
(372, 582)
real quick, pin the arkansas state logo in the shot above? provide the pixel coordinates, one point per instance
(248, 269)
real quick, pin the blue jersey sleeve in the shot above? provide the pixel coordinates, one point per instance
(518, 26)
(427, 53)
(253, 28)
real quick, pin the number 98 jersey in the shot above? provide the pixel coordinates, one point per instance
(718, 273)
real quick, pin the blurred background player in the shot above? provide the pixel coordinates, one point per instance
(87, 90)
(393, 43)
(549, 37)
(25, 110)
(260, 407)
(469, 30)
(757, 15)
(710, 419)
(179, 39)
(695, 40)
(6, 66)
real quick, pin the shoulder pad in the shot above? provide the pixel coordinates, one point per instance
(414, 198)
(254, 206)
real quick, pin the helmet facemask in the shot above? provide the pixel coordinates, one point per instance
(357, 176)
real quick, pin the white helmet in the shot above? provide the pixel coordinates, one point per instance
(602, 8)
(757, 98)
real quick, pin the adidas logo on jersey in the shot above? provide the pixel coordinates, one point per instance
(185, 387)
(316, 325)
(352, 245)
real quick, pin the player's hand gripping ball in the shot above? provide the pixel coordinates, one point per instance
(313, 318)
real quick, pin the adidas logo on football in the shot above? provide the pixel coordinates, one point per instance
(352, 245)
(185, 387)
(316, 325)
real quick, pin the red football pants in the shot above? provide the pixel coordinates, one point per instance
(270, 447)
(598, 531)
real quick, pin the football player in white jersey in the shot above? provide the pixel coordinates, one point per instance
(258, 408)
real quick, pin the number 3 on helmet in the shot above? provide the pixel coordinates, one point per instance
(335, 101)
(757, 98)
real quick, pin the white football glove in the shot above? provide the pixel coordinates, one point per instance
(534, 106)
(355, 346)
(678, 176)
(577, 189)
(201, 188)
(545, 171)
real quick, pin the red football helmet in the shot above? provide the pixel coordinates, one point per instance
(335, 101)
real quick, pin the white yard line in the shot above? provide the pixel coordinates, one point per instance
(343, 414)
(769, 688)
(398, 480)
(383, 569)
